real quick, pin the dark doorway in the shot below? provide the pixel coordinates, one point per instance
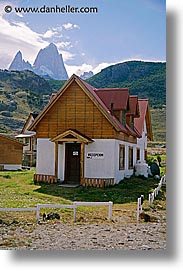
(72, 162)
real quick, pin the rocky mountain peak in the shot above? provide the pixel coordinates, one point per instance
(48, 63)
(52, 46)
(19, 63)
(86, 75)
(19, 55)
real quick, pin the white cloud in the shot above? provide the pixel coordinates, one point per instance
(64, 45)
(101, 66)
(16, 36)
(20, 15)
(49, 34)
(80, 69)
(63, 48)
(67, 55)
(70, 26)
(54, 33)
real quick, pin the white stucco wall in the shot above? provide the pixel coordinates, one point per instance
(106, 167)
(142, 142)
(45, 163)
(61, 161)
(100, 168)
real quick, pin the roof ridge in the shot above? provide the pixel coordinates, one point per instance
(143, 99)
(111, 89)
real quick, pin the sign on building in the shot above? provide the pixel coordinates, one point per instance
(95, 155)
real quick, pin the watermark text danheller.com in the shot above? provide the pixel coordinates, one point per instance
(54, 9)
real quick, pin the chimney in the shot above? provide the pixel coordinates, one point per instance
(52, 96)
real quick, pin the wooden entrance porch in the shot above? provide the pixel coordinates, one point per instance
(74, 157)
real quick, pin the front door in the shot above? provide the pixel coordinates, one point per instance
(72, 162)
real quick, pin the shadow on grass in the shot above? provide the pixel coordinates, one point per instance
(126, 191)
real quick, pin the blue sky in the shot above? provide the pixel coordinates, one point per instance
(120, 30)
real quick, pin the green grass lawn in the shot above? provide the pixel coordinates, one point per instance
(17, 189)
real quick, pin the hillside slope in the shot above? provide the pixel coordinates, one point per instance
(20, 93)
(145, 79)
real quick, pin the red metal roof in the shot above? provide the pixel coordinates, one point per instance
(144, 116)
(120, 99)
(118, 96)
(133, 102)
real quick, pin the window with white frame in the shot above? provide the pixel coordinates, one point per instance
(138, 154)
(130, 158)
(121, 157)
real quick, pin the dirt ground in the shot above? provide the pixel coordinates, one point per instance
(82, 235)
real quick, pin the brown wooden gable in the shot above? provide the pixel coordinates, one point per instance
(73, 109)
(72, 136)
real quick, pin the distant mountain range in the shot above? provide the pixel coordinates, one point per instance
(48, 63)
(22, 92)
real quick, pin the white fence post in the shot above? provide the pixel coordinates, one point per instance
(74, 210)
(138, 208)
(156, 190)
(110, 210)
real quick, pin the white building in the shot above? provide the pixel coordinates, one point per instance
(92, 136)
